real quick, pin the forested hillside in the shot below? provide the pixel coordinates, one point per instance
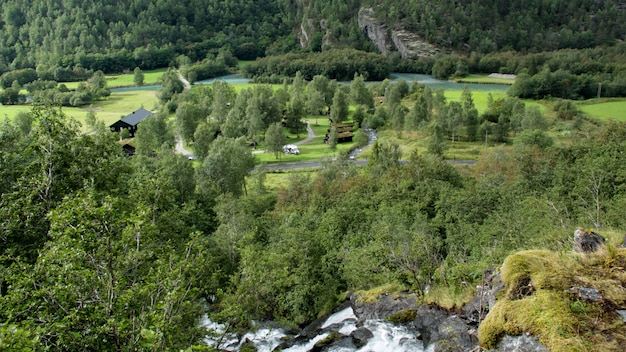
(495, 25)
(111, 35)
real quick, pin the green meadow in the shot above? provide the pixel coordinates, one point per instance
(480, 97)
(151, 77)
(605, 109)
(109, 110)
(485, 79)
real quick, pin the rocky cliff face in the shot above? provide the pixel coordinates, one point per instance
(376, 32)
(387, 40)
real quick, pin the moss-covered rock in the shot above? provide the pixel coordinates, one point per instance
(403, 316)
(540, 300)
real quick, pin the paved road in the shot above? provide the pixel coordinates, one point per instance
(317, 164)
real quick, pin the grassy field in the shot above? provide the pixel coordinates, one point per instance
(126, 79)
(480, 97)
(109, 110)
(485, 79)
(605, 109)
(313, 150)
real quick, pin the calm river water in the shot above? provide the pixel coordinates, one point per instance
(428, 80)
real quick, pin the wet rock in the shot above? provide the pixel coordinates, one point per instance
(586, 293)
(445, 331)
(522, 343)
(587, 241)
(384, 305)
(453, 334)
(361, 336)
(333, 340)
(476, 309)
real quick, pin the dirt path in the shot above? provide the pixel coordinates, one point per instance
(185, 82)
(310, 135)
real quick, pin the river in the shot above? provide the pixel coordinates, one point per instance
(393, 77)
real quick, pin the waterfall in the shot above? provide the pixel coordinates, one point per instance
(386, 336)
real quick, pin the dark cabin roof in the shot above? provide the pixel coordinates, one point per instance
(136, 117)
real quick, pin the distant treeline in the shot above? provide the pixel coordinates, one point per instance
(567, 73)
(335, 64)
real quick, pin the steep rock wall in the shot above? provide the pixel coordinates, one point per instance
(408, 44)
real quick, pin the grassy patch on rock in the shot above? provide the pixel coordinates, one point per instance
(371, 296)
(538, 299)
(403, 316)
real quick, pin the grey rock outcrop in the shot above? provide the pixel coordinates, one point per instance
(445, 331)
(377, 32)
(586, 241)
(522, 343)
(361, 336)
(586, 293)
(476, 309)
(384, 306)
(410, 45)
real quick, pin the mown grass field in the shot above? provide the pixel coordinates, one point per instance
(485, 79)
(109, 110)
(605, 109)
(480, 97)
(127, 79)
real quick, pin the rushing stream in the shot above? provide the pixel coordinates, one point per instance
(386, 336)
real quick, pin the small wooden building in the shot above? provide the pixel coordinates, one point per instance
(131, 121)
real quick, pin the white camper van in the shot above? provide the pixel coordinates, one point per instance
(291, 149)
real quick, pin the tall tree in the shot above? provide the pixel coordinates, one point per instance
(275, 139)
(138, 77)
(225, 169)
(188, 116)
(359, 94)
(339, 110)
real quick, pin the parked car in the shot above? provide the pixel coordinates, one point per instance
(291, 149)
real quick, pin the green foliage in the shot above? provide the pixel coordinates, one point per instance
(225, 167)
(138, 77)
(335, 64)
(275, 139)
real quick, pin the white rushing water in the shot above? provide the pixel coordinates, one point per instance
(387, 336)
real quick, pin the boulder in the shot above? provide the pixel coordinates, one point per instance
(383, 306)
(476, 309)
(446, 332)
(361, 336)
(587, 241)
(522, 343)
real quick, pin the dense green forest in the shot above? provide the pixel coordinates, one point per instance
(101, 251)
(113, 35)
(108, 252)
(551, 44)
